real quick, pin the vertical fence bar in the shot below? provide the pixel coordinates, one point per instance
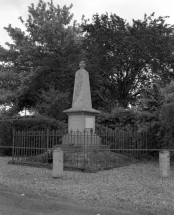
(14, 150)
(120, 145)
(26, 145)
(35, 148)
(142, 144)
(24, 149)
(137, 145)
(105, 161)
(36, 145)
(52, 139)
(21, 146)
(13, 144)
(48, 132)
(118, 148)
(129, 143)
(44, 132)
(16, 141)
(146, 142)
(83, 136)
(121, 148)
(57, 138)
(18, 144)
(132, 143)
(29, 140)
(92, 148)
(39, 142)
(87, 153)
(32, 143)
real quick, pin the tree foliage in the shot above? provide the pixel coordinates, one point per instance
(44, 55)
(53, 103)
(119, 118)
(126, 58)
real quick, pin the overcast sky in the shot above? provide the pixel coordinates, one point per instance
(10, 10)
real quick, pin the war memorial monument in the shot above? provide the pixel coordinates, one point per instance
(81, 117)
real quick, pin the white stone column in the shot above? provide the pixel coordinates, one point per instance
(57, 163)
(164, 163)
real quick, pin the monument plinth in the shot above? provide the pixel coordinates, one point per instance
(81, 117)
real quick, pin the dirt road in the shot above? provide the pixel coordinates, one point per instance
(18, 204)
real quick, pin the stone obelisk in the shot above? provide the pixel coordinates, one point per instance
(81, 117)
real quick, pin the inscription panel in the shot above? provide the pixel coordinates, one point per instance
(89, 122)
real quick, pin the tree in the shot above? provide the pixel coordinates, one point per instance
(53, 103)
(45, 55)
(156, 113)
(119, 118)
(167, 116)
(149, 107)
(125, 58)
(9, 81)
(151, 99)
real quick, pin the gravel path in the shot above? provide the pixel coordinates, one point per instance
(134, 186)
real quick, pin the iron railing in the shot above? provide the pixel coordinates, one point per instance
(81, 149)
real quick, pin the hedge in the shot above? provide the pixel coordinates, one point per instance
(7, 126)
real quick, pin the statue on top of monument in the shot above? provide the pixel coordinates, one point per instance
(82, 64)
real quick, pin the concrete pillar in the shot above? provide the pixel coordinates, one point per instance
(57, 163)
(164, 163)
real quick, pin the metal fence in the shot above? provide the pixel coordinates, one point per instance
(82, 150)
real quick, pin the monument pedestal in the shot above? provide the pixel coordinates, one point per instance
(81, 131)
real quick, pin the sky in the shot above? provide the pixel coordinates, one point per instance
(11, 10)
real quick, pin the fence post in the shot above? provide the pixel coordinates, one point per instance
(164, 163)
(57, 163)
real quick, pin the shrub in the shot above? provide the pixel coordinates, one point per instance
(6, 137)
(7, 126)
(118, 119)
